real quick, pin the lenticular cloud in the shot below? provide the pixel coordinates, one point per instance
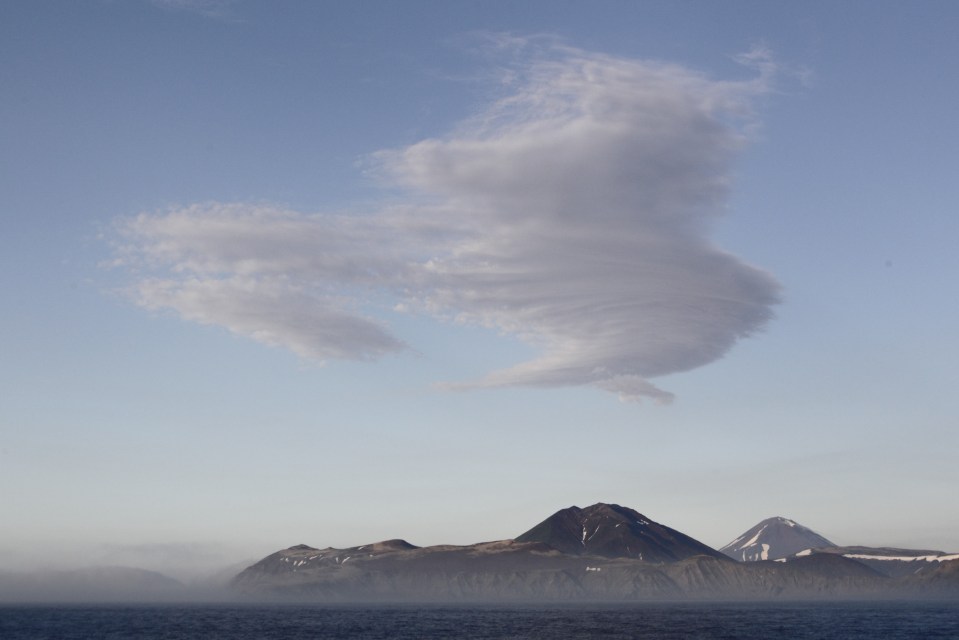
(573, 213)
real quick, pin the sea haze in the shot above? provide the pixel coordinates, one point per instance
(661, 621)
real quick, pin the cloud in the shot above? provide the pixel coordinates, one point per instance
(275, 313)
(573, 213)
(206, 8)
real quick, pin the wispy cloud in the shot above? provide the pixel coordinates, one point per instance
(573, 213)
(207, 8)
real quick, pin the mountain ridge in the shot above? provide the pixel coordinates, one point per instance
(577, 554)
(607, 553)
(890, 561)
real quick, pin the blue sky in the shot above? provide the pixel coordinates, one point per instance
(330, 273)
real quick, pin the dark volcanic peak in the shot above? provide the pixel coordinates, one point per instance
(772, 539)
(612, 531)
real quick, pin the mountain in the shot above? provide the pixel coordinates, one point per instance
(888, 561)
(601, 553)
(772, 539)
(612, 531)
(511, 571)
(780, 538)
(92, 584)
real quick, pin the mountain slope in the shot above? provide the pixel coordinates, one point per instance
(889, 561)
(772, 539)
(509, 571)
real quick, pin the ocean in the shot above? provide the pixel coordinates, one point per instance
(728, 621)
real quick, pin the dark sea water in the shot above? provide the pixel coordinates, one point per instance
(728, 621)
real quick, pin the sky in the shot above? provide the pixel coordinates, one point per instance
(331, 273)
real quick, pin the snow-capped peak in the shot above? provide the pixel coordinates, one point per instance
(772, 539)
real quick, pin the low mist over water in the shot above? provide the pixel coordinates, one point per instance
(661, 621)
